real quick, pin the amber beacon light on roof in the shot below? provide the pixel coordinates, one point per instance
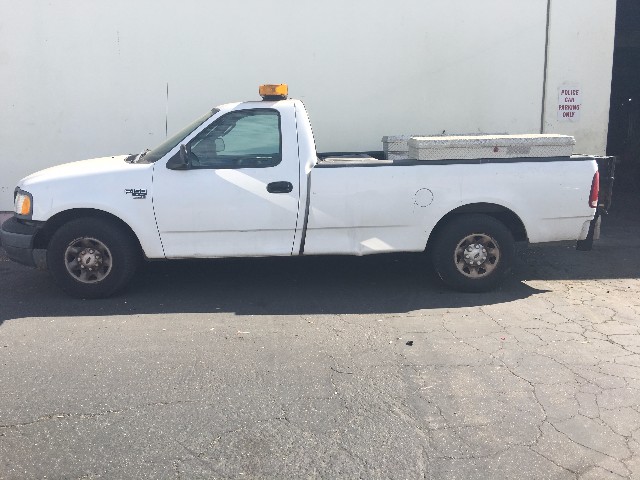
(274, 92)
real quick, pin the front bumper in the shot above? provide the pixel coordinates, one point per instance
(17, 239)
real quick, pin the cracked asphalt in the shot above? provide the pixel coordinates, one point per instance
(330, 368)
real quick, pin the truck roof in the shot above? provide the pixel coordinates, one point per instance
(257, 104)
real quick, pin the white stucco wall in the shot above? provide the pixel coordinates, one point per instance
(87, 79)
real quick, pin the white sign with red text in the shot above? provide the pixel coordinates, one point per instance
(569, 103)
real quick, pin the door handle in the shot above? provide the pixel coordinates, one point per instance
(279, 187)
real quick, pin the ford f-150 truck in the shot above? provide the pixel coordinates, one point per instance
(245, 180)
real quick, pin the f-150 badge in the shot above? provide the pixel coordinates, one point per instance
(136, 193)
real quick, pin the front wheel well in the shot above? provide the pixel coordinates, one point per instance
(54, 223)
(505, 216)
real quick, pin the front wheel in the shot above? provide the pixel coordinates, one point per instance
(473, 253)
(91, 257)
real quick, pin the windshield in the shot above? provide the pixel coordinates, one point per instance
(165, 147)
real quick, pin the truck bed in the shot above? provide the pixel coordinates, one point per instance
(376, 159)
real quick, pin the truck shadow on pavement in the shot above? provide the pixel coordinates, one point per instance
(385, 284)
(260, 286)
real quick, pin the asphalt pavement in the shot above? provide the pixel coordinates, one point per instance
(330, 368)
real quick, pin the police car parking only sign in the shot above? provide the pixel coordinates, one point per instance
(569, 103)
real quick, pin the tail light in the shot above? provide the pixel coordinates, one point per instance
(595, 189)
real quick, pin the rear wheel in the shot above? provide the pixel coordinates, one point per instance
(92, 257)
(473, 253)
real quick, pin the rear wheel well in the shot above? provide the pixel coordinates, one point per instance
(54, 223)
(505, 216)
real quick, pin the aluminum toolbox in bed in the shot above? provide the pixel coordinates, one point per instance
(490, 146)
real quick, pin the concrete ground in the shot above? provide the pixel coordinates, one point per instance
(330, 368)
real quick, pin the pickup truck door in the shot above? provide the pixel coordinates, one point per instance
(240, 196)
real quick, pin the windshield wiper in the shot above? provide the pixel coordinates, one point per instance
(141, 156)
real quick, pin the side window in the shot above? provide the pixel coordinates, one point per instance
(245, 138)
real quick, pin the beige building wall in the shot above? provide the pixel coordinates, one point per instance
(89, 79)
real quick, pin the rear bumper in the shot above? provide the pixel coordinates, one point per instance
(18, 239)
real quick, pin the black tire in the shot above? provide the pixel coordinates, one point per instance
(466, 240)
(108, 253)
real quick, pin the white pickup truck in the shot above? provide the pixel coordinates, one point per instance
(245, 180)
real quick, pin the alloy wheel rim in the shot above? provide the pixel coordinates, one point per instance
(88, 260)
(477, 255)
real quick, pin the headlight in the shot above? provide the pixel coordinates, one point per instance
(23, 203)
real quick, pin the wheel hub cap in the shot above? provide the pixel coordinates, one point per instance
(475, 254)
(89, 259)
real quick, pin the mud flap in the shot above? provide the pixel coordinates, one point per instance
(606, 167)
(587, 244)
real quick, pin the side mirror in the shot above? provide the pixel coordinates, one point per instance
(219, 144)
(180, 161)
